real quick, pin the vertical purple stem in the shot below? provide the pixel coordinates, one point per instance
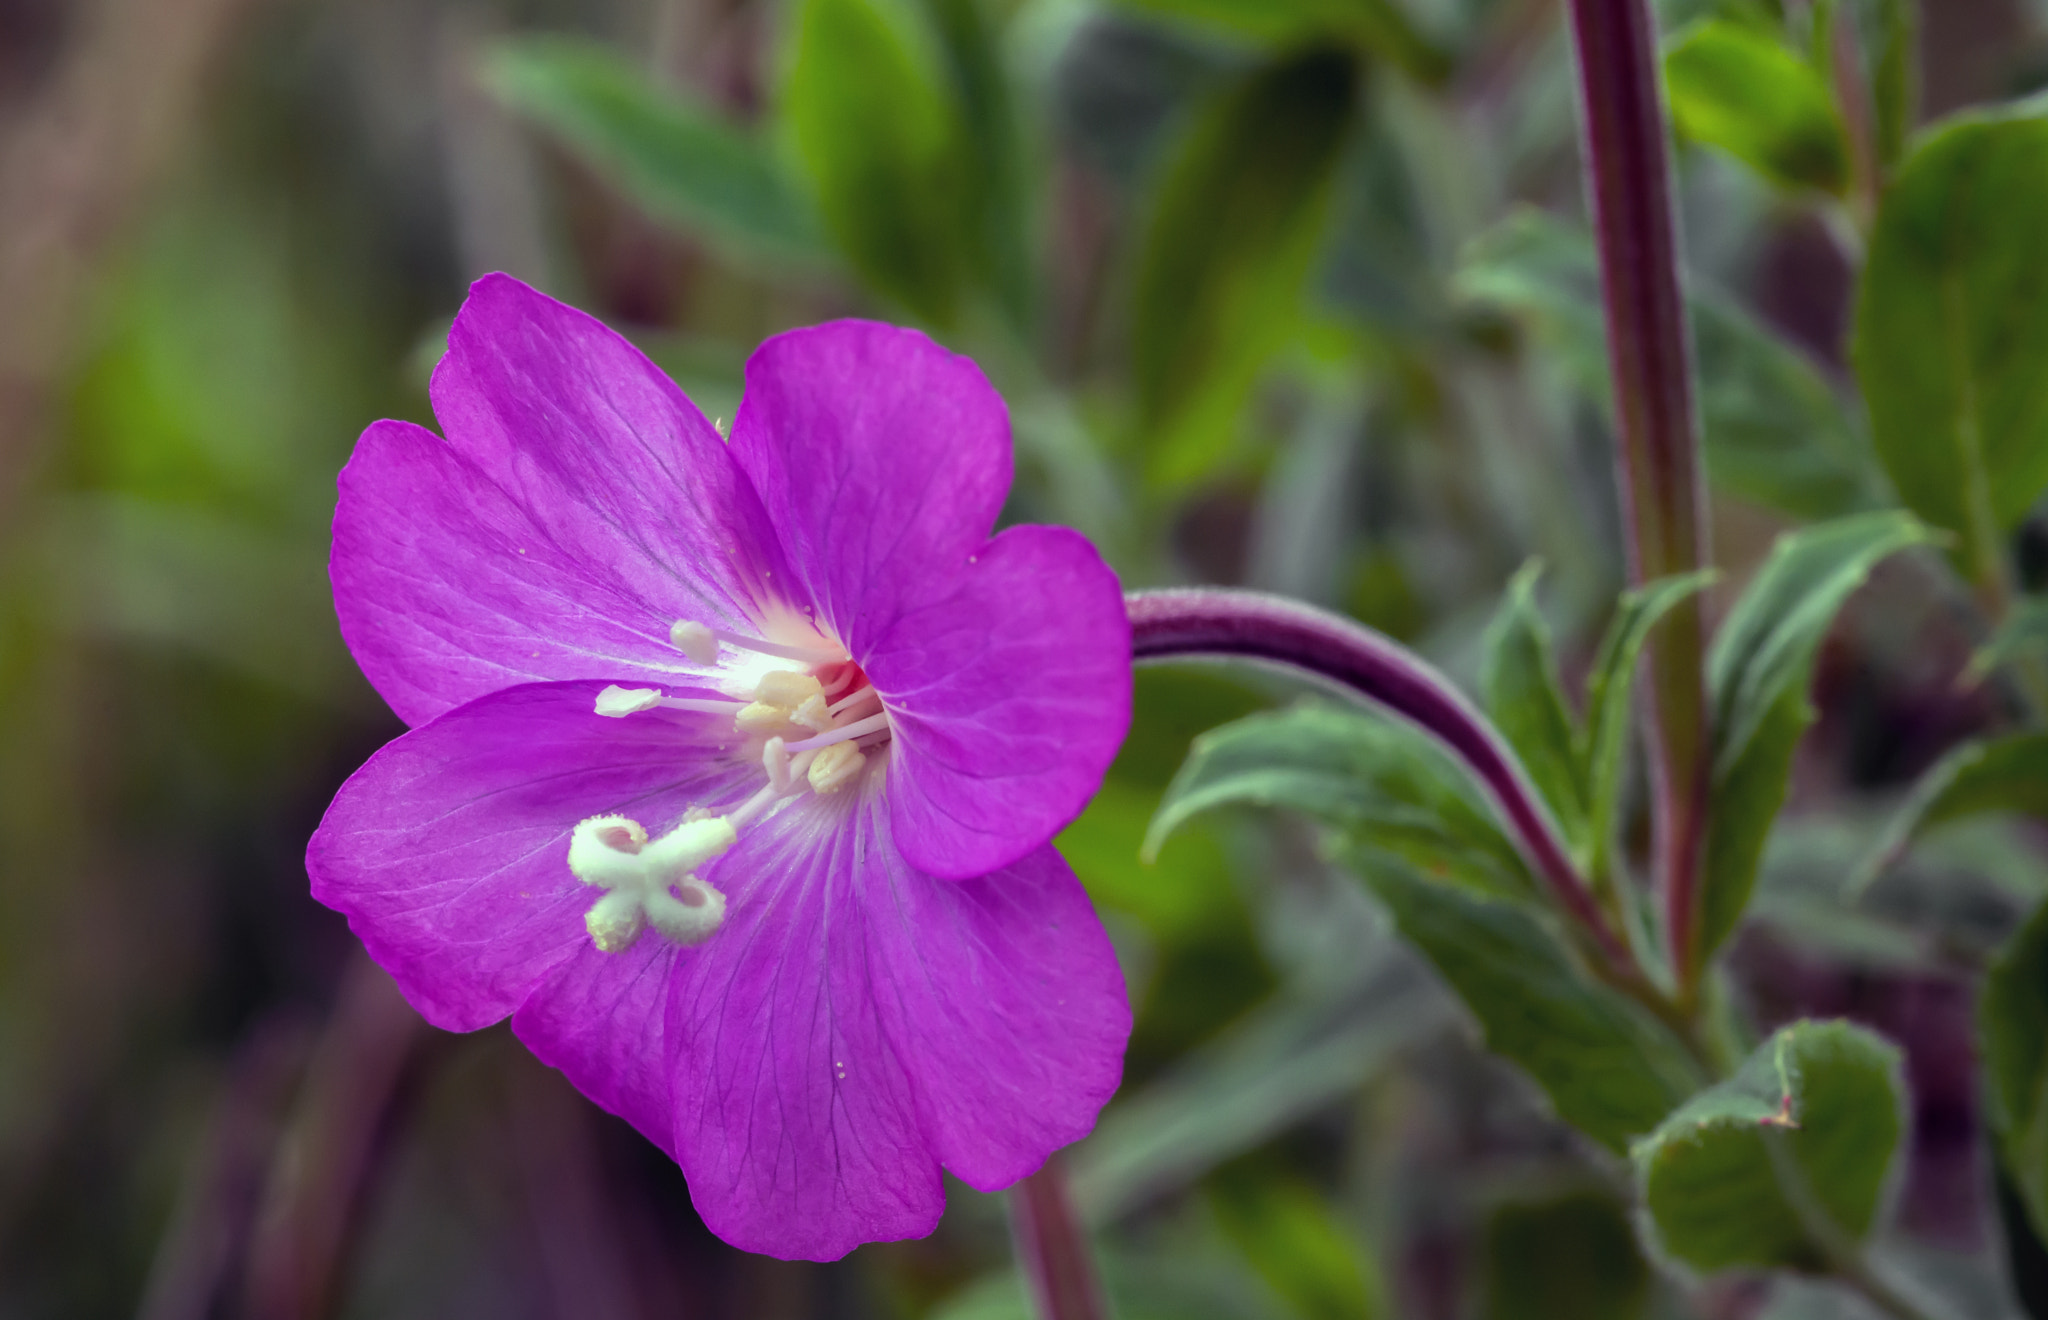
(1052, 1248)
(1629, 180)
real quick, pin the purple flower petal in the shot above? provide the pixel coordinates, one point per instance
(600, 1019)
(857, 1024)
(448, 850)
(882, 459)
(580, 505)
(1009, 695)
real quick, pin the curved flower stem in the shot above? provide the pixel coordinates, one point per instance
(1250, 625)
(1629, 182)
(1052, 1248)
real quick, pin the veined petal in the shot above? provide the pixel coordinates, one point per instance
(600, 1018)
(858, 1024)
(882, 459)
(1009, 693)
(580, 505)
(448, 850)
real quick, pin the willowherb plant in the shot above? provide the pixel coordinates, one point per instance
(735, 765)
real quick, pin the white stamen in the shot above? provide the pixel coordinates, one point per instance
(775, 760)
(694, 640)
(709, 705)
(700, 643)
(852, 699)
(619, 702)
(845, 732)
(835, 767)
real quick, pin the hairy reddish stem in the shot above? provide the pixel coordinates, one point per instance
(1629, 182)
(1250, 625)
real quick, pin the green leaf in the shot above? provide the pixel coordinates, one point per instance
(1748, 793)
(1952, 329)
(1233, 231)
(998, 199)
(1774, 430)
(2022, 638)
(2007, 774)
(1382, 27)
(1572, 1256)
(679, 161)
(1740, 89)
(1518, 680)
(1766, 645)
(1758, 671)
(2012, 1020)
(1376, 779)
(1765, 1169)
(1610, 1069)
(1603, 749)
(1292, 1236)
(1895, 77)
(881, 144)
(1276, 1066)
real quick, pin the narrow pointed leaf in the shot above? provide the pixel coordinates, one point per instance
(1233, 231)
(1979, 777)
(1518, 680)
(1758, 671)
(678, 160)
(2012, 1020)
(1718, 1197)
(1609, 1068)
(880, 141)
(1768, 641)
(998, 201)
(1604, 747)
(1375, 779)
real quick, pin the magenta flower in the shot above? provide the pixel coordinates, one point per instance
(733, 768)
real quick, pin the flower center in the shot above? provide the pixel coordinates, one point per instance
(812, 726)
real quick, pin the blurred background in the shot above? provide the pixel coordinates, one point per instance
(1289, 293)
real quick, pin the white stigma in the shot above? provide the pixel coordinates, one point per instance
(650, 882)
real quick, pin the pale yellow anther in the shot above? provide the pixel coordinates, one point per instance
(787, 688)
(760, 717)
(835, 767)
(813, 714)
(619, 702)
(694, 640)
